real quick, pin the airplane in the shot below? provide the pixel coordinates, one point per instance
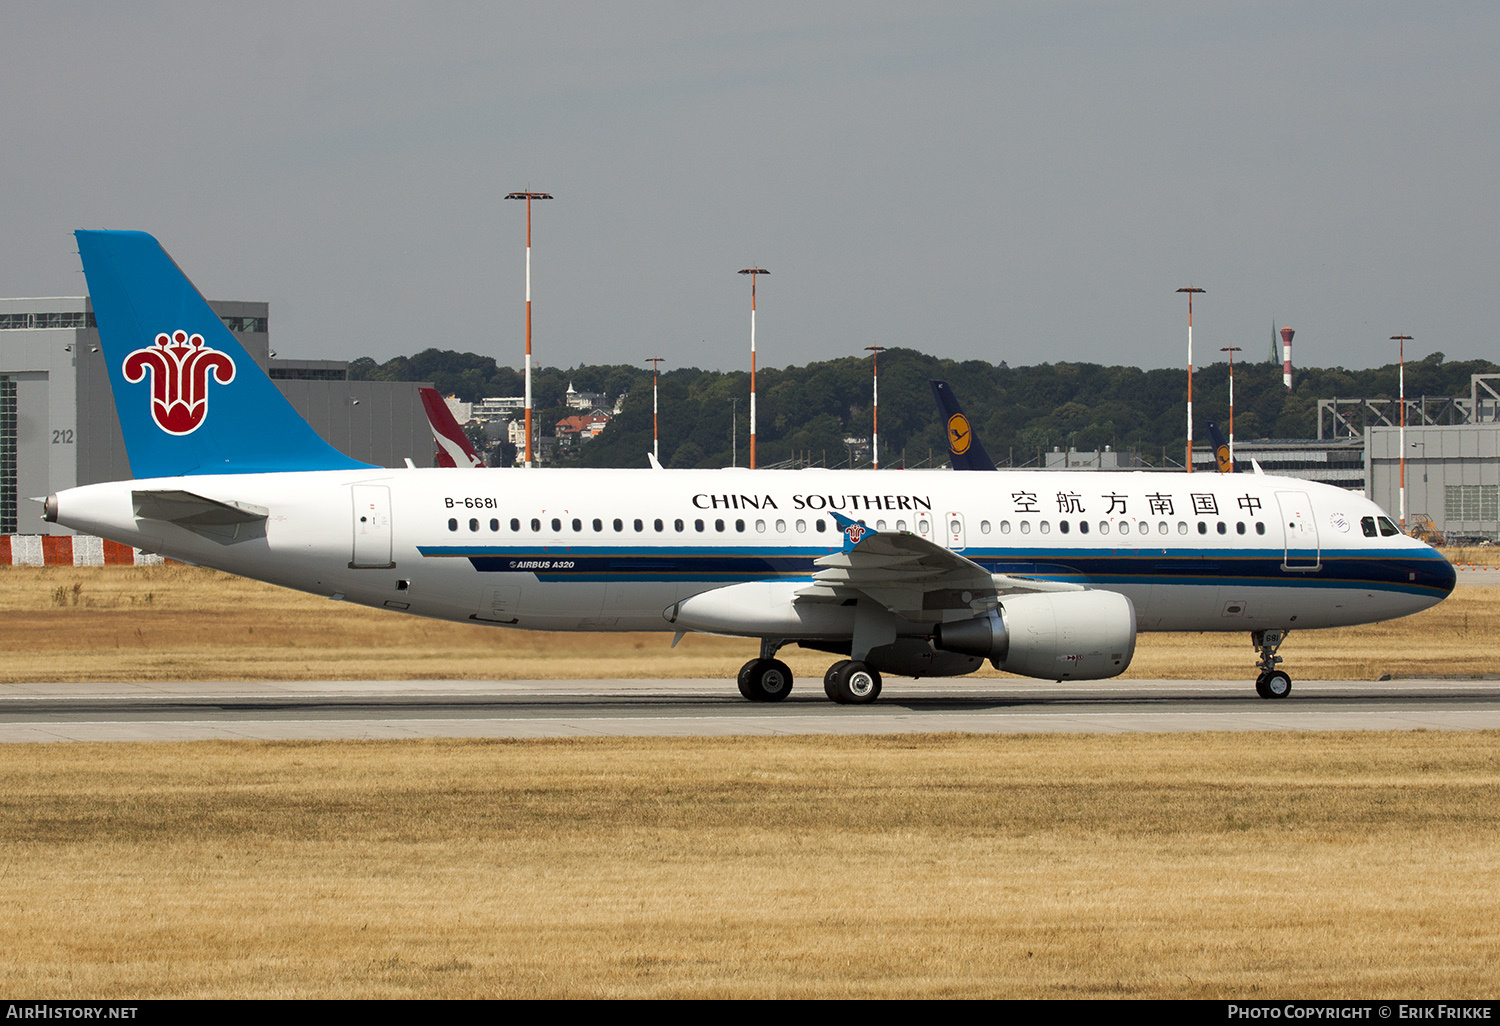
(1221, 449)
(453, 448)
(965, 450)
(1049, 575)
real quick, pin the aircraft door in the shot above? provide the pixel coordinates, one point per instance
(954, 524)
(925, 525)
(1300, 530)
(372, 527)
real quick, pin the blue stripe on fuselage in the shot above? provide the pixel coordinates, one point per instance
(1411, 573)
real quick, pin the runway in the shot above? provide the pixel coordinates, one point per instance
(309, 710)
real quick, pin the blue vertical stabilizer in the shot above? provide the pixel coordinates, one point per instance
(965, 450)
(189, 398)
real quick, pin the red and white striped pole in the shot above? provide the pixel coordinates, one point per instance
(875, 352)
(528, 196)
(1190, 290)
(1286, 358)
(656, 362)
(1401, 341)
(753, 272)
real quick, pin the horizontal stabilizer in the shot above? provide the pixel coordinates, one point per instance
(192, 511)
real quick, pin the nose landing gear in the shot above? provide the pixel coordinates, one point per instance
(1272, 683)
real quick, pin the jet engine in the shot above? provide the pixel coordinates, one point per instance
(1068, 635)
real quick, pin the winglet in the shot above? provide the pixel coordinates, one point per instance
(854, 531)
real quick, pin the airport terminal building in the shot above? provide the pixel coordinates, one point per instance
(58, 427)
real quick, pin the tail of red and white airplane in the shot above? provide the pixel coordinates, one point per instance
(453, 448)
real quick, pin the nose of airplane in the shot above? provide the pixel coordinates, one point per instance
(1440, 574)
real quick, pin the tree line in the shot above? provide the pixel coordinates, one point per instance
(807, 412)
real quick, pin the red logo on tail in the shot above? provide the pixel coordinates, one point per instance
(179, 368)
(854, 532)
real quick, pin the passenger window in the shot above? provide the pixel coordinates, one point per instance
(818, 526)
(1222, 528)
(984, 527)
(1062, 526)
(1239, 528)
(1045, 528)
(1202, 527)
(880, 525)
(577, 524)
(494, 525)
(1005, 527)
(901, 525)
(598, 525)
(922, 526)
(739, 525)
(678, 525)
(515, 525)
(781, 527)
(556, 525)
(640, 526)
(1182, 527)
(452, 525)
(1083, 527)
(802, 527)
(1162, 528)
(619, 525)
(1026, 527)
(697, 526)
(1104, 527)
(473, 525)
(760, 527)
(1367, 525)
(1260, 528)
(658, 526)
(536, 525)
(719, 525)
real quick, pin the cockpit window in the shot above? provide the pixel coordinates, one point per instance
(1387, 528)
(1367, 524)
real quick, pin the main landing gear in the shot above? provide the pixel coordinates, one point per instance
(768, 679)
(851, 682)
(765, 680)
(1272, 683)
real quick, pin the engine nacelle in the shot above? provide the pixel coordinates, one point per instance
(1065, 635)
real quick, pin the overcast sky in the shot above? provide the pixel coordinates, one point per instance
(1016, 181)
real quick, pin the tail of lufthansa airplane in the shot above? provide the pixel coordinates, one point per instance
(964, 448)
(189, 398)
(1221, 449)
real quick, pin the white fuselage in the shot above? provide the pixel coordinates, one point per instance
(615, 549)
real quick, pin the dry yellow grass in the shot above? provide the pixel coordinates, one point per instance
(1203, 866)
(182, 623)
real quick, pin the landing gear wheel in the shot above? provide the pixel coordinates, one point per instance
(852, 683)
(829, 687)
(1277, 684)
(765, 680)
(1260, 686)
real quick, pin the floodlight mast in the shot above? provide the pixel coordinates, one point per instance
(528, 196)
(656, 362)
(753, 272)
(1401, 341)
(875, 352)
(1190, 290)
(1231, 350)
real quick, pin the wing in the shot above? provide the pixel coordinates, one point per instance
(911, 576)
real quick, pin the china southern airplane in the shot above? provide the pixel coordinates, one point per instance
(923, 574)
